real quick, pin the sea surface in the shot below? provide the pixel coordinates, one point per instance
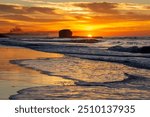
(41, 68)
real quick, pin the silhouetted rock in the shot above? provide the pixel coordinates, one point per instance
(65, 33)
(133, 49)
(145, 49)
(2, 35)
(85, 41)
(124, 49)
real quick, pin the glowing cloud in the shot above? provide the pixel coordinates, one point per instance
(96, 18)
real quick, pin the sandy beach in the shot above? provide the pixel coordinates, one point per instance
(14, 78)
(79, 72)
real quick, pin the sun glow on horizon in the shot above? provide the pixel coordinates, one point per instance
(90, 35)
(82, 18)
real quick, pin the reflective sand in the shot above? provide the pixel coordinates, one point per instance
(67, 77)
(14, 78)
(93, 80)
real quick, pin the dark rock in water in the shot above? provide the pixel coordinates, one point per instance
(85, 41)
(124, 49)
(134, 49)
(2, 35)
(65, 33)
(145, 49)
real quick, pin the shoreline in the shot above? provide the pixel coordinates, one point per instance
(17, 62)
(14, 77)
(139, 65)
(132, 82)
(131, 59)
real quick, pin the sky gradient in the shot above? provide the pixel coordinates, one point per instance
(84, 17)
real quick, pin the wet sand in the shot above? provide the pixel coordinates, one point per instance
(14, 77)
(92, 80)
(40, 75)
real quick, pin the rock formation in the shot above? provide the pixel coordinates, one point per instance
(65, 33)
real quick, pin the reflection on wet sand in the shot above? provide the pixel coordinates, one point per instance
(79, 92)
(93, 80)
(81, 78)
(14, 78)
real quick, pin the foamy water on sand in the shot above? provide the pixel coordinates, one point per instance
(93, 80)
(85, 71)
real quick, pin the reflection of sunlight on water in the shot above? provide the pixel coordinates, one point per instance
(88, 73)
(85, 70)
(13, 76)
(8, 53)
(84, 92)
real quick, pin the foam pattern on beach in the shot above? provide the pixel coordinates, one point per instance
(81, 69)
(93, 80)
(97, 70)
(132, 88)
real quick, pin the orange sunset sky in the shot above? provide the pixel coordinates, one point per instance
(83, 17)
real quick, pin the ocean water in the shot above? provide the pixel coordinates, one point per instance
(95, 71)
